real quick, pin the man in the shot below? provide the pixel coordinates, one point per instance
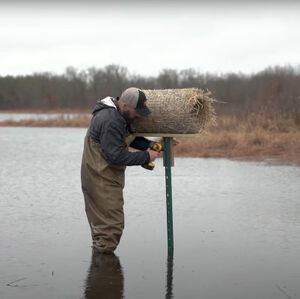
(104, 160)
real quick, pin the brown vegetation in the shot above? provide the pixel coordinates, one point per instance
(239, 139)
(253, 138)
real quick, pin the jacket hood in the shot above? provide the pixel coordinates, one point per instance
(105, 103)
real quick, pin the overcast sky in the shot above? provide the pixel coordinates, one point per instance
(207, 36)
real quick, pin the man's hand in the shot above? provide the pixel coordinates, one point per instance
(161, 141)
(153, 154)
(175, 142)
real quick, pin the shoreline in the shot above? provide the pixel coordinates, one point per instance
(235, 142)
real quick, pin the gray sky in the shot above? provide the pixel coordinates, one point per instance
(207, 36)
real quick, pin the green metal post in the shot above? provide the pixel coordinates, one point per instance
(168, 177)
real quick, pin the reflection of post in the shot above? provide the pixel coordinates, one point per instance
(168, 163)
(105, 278)
(169, 288)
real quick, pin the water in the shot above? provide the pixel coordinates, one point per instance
(236, 227)
(38, 116)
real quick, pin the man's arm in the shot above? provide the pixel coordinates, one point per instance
(140, 143)
(115, 150)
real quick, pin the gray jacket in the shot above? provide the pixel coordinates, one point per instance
(109, 129)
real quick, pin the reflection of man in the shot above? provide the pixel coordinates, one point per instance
(105, 278)
(104, 159)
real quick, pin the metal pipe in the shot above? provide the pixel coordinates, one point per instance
(168, 177)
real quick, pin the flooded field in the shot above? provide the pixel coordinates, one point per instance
(236, 227)
(4, 116)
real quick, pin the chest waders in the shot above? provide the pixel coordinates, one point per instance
(102, 187)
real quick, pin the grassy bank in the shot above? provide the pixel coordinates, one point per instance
(253, 137)
(257, 145)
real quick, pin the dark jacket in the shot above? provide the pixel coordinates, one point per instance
(109, 129)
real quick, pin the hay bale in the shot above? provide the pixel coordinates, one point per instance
(177, 111)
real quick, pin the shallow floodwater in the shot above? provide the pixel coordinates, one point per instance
(4, 116)
(236, 227)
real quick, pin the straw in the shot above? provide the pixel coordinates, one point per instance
(177, 111)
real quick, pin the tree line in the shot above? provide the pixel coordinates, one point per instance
(275, 90)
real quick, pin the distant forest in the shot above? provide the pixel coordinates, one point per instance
(273, 91)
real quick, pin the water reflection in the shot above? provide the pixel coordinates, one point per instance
(169, 286)
(105, 278)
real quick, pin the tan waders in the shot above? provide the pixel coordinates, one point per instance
(102, 186)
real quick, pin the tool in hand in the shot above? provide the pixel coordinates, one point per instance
(158, 147)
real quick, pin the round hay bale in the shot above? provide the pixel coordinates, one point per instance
(177, 111)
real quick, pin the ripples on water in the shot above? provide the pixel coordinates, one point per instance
(236, 227)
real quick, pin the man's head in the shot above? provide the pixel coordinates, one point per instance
(132, 104)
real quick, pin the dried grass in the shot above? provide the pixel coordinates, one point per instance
(177, 111)
(239, 138)
(232, 138)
